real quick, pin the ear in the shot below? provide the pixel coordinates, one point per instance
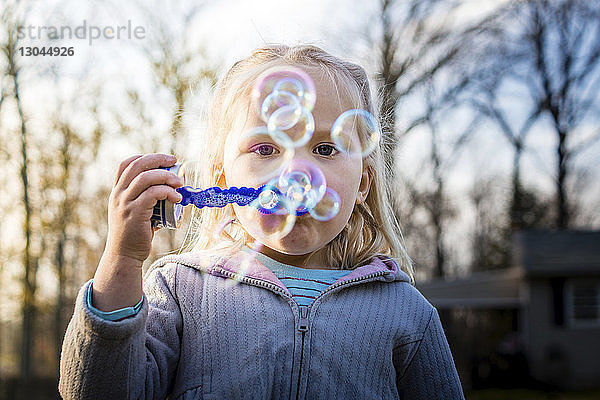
(364, 186)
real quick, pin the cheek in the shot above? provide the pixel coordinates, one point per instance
(231, 178)
(346, 185)
(346, 181)
(240, 172)
(229, 166)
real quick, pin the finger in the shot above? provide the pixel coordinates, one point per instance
(151, 178)
(150, 196)
(144, 163)
(124, 164)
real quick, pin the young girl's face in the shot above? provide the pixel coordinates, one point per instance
(249, 159)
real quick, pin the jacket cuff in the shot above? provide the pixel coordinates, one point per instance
(115, 315)
(110, 330)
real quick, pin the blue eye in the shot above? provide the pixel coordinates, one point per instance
(325, 150)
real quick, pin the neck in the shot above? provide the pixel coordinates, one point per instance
(314, 260)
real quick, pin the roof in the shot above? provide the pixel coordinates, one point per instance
(485, 289)
(557, 253)
(536, 254)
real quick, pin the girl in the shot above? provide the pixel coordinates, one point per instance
(327, 311)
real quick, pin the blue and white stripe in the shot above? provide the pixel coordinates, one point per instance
(303, 283)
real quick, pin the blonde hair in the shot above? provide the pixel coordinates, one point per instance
(372, 229)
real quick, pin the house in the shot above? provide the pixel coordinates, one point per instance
(539, 318)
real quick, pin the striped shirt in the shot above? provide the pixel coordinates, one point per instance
(304, 284)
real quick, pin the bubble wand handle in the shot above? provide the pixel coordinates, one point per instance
(217, 197)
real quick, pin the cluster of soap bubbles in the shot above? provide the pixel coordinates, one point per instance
(286, 96)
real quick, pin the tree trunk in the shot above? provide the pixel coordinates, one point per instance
(516, 206)
(29, 261)
(60, 296)
(437, 207)
(562, 220)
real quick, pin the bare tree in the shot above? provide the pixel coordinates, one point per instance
(30, 261)
(525, 210)
(51, 177)
(179, 66)
(422, 55)
(444, 152)
(550, 49)
(64, 173)
(418, 40)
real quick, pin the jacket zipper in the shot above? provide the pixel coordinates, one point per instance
(357, 279)
(303, 311)
(252, 281)
(302, 328)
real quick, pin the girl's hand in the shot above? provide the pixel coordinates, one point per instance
(139, 184)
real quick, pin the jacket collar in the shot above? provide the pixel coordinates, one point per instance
(243, 264)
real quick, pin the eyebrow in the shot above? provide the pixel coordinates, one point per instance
(245, 137)
(321, 134)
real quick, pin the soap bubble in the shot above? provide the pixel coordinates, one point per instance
(286, 96)
(303, 183)
(284, 118)
(281, 99)
(291, 85)
(285, 79)
(344, 132)
(290, 129)
(268, 200)
(275, 214)
(327, 207)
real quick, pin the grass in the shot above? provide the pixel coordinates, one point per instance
(525, 394)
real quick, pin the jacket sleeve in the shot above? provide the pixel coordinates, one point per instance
(431, 373)
(135, 358)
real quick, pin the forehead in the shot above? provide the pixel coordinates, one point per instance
(335, 93)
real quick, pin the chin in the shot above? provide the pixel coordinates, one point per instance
(301, 240)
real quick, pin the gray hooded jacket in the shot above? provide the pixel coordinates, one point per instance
(202, 335)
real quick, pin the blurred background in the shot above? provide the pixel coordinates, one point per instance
(494, 111)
